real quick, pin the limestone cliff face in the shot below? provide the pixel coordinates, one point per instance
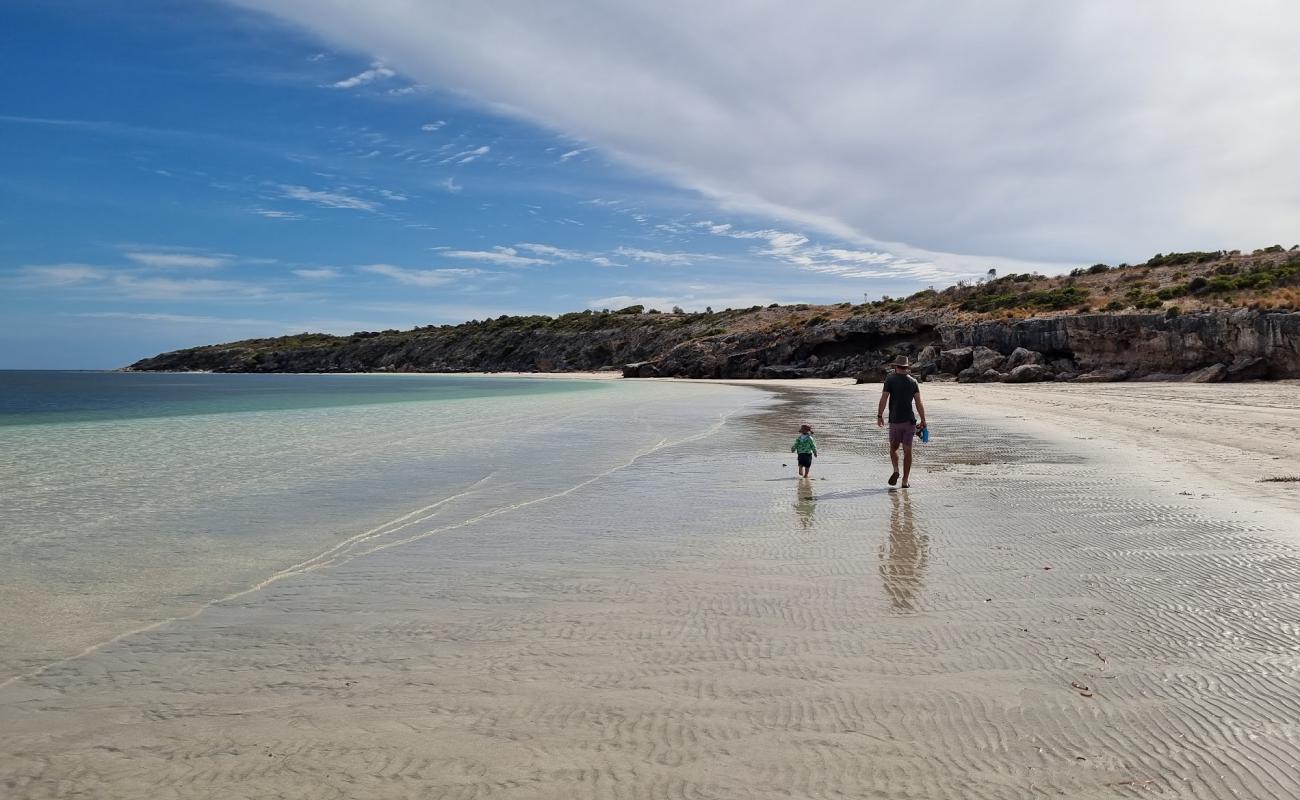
(1226, 345)
(1148, 343)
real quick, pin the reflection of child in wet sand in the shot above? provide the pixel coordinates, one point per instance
(806, 447)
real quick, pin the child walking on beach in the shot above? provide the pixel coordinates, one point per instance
(806, 446)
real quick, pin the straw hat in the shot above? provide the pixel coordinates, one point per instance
(901, 361)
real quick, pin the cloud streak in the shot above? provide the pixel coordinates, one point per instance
(504, 256)
(420, 277)
(327, 199)
(163, 260)
(376, 72)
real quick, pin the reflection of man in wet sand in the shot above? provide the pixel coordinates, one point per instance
(899, 391)
(805, 504)
(903, 557)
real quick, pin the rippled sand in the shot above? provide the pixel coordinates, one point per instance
(1040, 615)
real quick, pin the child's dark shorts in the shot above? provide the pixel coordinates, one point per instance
(805, 459)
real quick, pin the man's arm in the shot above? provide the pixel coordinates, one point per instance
(920, 407)
(880, 409)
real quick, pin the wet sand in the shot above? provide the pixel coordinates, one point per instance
(1042, 614)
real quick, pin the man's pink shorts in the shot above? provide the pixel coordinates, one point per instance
(902, 433)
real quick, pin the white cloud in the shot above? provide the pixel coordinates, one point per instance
(450, 185)
(505, 256)
(1014, 128)
(433, 126)
(62, 274)
(467, 156)
(328, 199)
(181, 318)
(140, 285)
(271, 213)
(137, 287)
(164, 260)
(574, 153)
(553, 252)
(318, 274)
(376, 72)
(561, 254)
(657, 257)
(798, 250)
(420, 277)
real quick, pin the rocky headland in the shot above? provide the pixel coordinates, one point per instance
(1202, 317)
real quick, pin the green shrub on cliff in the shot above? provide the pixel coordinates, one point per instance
(1041, 299)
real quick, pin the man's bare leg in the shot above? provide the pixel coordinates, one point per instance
(907, 463)
(893, 459)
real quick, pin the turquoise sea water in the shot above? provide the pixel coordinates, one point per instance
(127, 499)
(41, 397)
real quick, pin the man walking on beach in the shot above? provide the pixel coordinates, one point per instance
(899, 392)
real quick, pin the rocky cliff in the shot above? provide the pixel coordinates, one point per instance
(1216, 345)
(1236, 345)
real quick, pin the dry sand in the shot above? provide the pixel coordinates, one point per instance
(1044, 614)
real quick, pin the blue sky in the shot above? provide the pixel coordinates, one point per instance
(179, 173)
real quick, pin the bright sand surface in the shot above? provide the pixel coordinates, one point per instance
(1085, 594)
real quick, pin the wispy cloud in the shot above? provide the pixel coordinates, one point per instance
(376, 72)
(420, 277)
(318, 274)
(798, 250)
(168, 260)
(450, 185)
(657, 257)
(272, 213)
(327, 199)
(561, 254)
(573, 153)
(434, 126)
(467, 156)
(553, 252)
(505, 256)
(62, 274)
(180, 318)
(196, 289)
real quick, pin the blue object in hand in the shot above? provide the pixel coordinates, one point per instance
(925, 433)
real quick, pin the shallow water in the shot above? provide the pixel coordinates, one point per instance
(131, 498)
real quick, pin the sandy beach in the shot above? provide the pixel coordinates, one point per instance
(1089, 592)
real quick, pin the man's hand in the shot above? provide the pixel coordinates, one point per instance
(880, 420)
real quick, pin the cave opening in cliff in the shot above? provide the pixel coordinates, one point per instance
(861, 342)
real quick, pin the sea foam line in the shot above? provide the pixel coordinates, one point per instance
(324, 558)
